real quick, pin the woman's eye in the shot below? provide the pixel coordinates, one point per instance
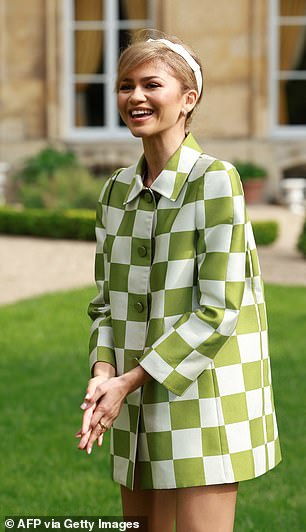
(153, 85)
(125, 87)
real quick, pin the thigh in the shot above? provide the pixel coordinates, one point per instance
(206, 508)
(158, 506)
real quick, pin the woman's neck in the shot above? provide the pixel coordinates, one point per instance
(157, 151)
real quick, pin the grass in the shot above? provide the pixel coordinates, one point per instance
(44, 370)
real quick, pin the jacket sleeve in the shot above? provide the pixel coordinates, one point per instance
(181, 354)
(101, 344)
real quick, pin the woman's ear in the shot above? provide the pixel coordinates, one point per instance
(190, 98)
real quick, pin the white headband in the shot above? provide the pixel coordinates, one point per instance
(180, 50)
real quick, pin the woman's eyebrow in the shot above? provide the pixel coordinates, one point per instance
(146, 78)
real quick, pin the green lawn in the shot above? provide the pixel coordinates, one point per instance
(43, 372)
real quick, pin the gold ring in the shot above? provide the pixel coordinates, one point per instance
(103, 427)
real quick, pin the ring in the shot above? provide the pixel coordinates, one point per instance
(103, 427)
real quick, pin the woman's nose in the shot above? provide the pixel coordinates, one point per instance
(138, 95)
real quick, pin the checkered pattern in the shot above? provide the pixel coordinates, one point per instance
(180, 293)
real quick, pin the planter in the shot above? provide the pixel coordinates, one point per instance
(253, 190)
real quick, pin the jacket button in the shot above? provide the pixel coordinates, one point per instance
(139, 306)
(142, 250)
(148, 197)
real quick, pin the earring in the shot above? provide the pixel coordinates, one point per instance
(184, 112)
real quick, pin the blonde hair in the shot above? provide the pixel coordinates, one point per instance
(141, 51)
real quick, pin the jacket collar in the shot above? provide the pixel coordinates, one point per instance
(170, 181)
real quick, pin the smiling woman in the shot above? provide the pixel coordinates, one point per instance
(178, 348)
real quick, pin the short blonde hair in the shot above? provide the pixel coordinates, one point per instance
(140, 51)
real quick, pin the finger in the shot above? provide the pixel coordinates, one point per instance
(84, 440)
(95, 391)
(78, 434)
(94, 435)
(87, 419)
(100, 440)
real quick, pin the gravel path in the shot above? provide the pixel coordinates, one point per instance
(33, 266)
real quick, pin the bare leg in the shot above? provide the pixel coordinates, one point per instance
(206, 508)
(158, 505)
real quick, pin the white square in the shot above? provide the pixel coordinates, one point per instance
(218, 238)
(248, 297)
(217, 184)
(135, 335)
(267, 400)
(212, 293)
(170, 321)
(156, 417)
(211, 412)
(200, 214)
(100, 237)
(121, 250)
(259, 455)
(239, 216)
(258, 289)
(156, 366)
(186, 443)
(138, 279)
(214, 470)
(119, 361)
(230, 379)
(157, 304)
(250, 235)
(195, 331)
(254, 403)
(193, 365)
(236, 267)
(122, 422)
(185, 219)
(264, 344)
(121, 466)
(133, 398)
(143, 450)
(249, 346)
(238, 436)
(188, 157)
(132, 446)
(105, 337)
(271, 454)
(163, 474)
(164, 183)
(275, 427)
(161, 248)
(143, 224)
(119, 304)
(229, 322)
(179, 274)
(114, 219)
(192, 392)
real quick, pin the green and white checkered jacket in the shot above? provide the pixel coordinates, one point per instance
(180, 293)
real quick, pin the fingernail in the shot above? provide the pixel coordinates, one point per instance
(83, 406)
(89, 450)
(87, 396)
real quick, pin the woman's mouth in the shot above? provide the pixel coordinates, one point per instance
(140, 115)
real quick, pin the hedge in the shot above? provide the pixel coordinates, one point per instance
(302, 240)
(80, 224)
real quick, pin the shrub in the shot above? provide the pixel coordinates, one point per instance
(248, 170)
(302, 240)
(70, 224)
(265, 232)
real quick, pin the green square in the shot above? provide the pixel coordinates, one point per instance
(181, 245)
(146, 480)
(278, 453)
(238, 239)
(185, 414)
(195, 191)
(215, 166)
(160, 445)
(154, 392)
(164, 221)
(155, 330)
(118, 277)
(200, 243)
(139, 246)
(270, 427)
(127, 224)
(133, 413)
(173, 349)
(257, 432)
(252, 375)
(119, 327)
(255, 262)
(106, 354)
(266, 372)
(158, 276)
(214, 266)
(211, 345)
(247, 266)
(219, 211)
(179, 182)
(129, 476)
(234, 408)
(228, 354)
(214, 441)
(136, 302)
(186, 470)
(121, 443)
(206, 385)
(235, 182)
(178, 301)
(248, 320)
(177, 383)
(234, 294)
(99, 266)
(117, 195)
(143, 204)
(263, 316)
(243, 464)
(108, 245)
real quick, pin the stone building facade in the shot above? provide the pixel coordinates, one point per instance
(244, 49)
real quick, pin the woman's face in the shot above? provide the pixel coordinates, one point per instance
(150, 100)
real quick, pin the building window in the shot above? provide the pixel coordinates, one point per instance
(95, 32)
(288, 68)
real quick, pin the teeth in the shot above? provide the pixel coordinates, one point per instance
(141, 112)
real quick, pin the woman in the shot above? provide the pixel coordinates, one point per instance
(181, 372)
